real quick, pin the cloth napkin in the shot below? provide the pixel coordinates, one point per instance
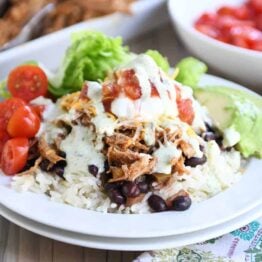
(242, 245)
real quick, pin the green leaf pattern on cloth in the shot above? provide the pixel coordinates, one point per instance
(244, 244)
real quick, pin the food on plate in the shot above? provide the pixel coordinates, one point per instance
(237, 25)
(65, 13)
(124, 136)
(69, 12)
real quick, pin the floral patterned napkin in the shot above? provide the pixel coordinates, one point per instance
(244, 244)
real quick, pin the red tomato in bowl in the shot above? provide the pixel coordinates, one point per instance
(14, 155)
(27, 82)
(23, 123)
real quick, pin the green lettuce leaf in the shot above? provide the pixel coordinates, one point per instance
(190, 71)
(4, 93)
(160, 60)
(90, 57)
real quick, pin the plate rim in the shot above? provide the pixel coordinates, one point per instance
(168, 243)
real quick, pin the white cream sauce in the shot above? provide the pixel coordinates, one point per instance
(147, 107)
(80, 149)
(165, 154)
(103, 123)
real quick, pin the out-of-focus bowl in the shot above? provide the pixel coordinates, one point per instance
(235, 62)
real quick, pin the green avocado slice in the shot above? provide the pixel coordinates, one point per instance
(238, 110)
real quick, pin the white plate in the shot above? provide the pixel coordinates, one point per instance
(235, 201)
(136, 244)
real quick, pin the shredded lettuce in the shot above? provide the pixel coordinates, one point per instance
(190, 71)
(160, 60)
(90, 57)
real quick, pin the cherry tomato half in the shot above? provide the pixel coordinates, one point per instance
(23, 123)
(3, 138)
(185, 110)
(27, 82)
(7, 108)
(38, 109)
(14, 156)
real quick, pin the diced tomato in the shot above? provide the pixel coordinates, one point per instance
(226, 10)
(178, 93)
(208, 30)
(240, 26)
(110, 90)
(257, 45)
(7, 108)
(23, 123)
(227, 22)
(207, 19)
(185, 110)
(27, 82)
(241, 12)
(154, 92)
(258, 20)
(14, 155)
(38, 109)
(130, 84)
(257, 5)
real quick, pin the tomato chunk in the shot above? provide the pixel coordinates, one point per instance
(185, 110)
(23, 123)
(7, 108)
(14, 155)
(130, 84)
(3, 139)
(27, 82)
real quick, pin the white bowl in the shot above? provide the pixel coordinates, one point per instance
(235, 62)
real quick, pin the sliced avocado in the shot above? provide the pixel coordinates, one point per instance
(238, 110)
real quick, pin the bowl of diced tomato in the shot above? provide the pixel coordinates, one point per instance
(225, 34)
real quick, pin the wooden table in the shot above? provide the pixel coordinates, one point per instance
(19, 245)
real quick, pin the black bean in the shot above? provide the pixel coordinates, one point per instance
(58, 170)
(208, 136)
(93, 169)
(61, 163)
(143, 186)
(116, 196)
(181, 203)
(195, 161)
(62, 153)
(157, 203)
(106, 166)
(130, 189)
(105, 177)
(110, 186)
(209, 128)
(44, 165)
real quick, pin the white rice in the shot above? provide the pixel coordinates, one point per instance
(83, 189)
